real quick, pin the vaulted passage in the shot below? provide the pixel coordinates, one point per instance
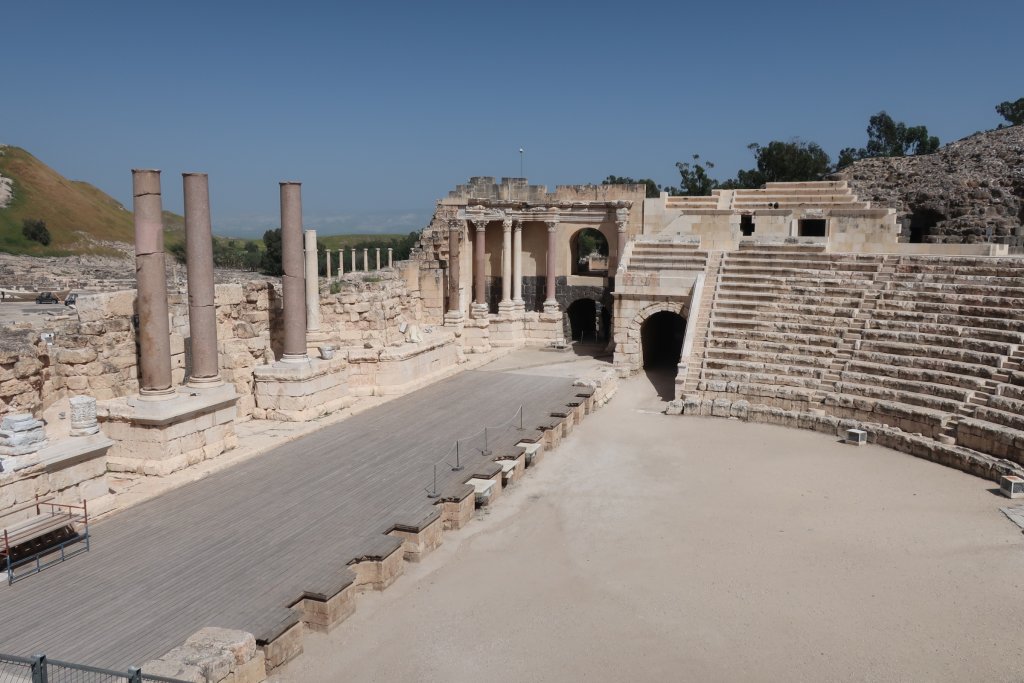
(583, 320)
(661, 338)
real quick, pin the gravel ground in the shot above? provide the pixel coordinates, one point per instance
(651, 547)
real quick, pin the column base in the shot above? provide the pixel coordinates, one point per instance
(157, 394)
(454, 318)
(551, 306)
(294, 392)
(519, 305)
(157, 438)
(505, 308)
(479, 310)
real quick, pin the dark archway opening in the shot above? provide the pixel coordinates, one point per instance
(589, 250)
(922, 222)
(661, 341)
(583, 320)
(813, 227)
(661, 338)
(746, 225)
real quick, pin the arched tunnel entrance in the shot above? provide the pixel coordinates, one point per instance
(661, 339)
(583, 320)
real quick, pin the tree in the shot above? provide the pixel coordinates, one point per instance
(890, 138)
(784, 162)
(1013, 112)
(653, 190)
(271, 264)
(35, 230)
(694, 180)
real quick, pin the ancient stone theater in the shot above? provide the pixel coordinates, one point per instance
(797, 304)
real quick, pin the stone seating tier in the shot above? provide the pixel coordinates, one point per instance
(771, 347)
(951, 339)
(933, 345)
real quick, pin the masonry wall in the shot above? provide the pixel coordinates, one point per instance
(95, 352)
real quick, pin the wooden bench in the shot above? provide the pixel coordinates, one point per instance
(26, 541)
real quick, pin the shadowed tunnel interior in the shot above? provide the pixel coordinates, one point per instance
(661, 337)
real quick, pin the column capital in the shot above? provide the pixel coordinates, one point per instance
(552, 225)
(480, 223)
(506, 224)
(517, 224)
(621, 218)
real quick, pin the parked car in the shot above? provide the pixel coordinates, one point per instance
(47, 298)
(70, 299)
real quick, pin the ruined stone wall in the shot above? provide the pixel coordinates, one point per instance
(94, 349)
(958, 194)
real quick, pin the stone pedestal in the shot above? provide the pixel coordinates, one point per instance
(160, 437)
(67, 470)
(298, 392)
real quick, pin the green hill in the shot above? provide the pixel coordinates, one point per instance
(76, 213)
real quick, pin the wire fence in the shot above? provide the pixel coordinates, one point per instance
(469, 450)
(41, 669)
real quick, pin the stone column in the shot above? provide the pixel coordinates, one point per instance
(154, 327)
(366, 259)
(621, 221)
(505, 306)
(353, 259)
(294, 280)
(550, 303)
(454, 313)
(390, 250)
(312, 283)
(341, 262)
(517, 266)
(377, 249)
(202, 310)
(328, 252)
(480, 307)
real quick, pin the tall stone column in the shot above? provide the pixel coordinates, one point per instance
(341, 262)
(517, 266)
(550, 302)
(377, 249)
(366, 259)
(390, 250)
(154, 327)
(294, 280)
(202, 310)
(621, 221)
(505, 306)
(480, 307)
(454, 313)
(312, 283)
(328, 253)
(353, 259)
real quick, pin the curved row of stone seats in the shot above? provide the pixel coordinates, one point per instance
(1002, 307)
(980, 334)
(886, 365)
(871, 389)
(953, 337)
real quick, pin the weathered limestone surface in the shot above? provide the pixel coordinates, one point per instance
(213, 655)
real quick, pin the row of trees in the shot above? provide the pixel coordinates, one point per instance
(227, 253)
(796, 160)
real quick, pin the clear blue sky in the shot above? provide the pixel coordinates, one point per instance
(379, 108)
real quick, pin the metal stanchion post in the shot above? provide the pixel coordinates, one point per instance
(458, 460)
(434, 493)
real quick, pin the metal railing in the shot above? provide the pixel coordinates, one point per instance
(40, 669)
(477, 444)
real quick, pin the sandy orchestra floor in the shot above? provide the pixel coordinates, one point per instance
(651, 547)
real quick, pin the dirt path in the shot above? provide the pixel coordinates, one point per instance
(664, 548)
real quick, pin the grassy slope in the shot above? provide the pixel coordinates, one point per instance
(68, 207)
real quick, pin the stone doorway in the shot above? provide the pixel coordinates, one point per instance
(661, 340)
(583, 320)
(922, 222)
